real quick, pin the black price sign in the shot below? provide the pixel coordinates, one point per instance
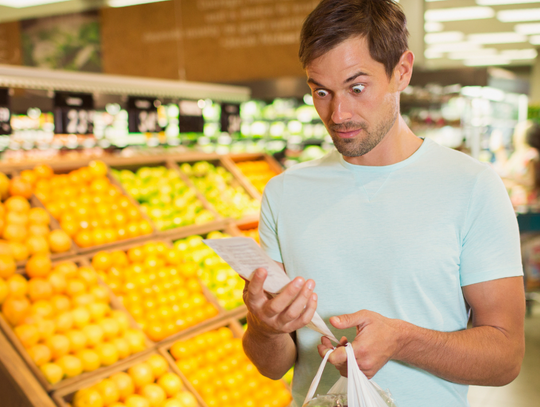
(5, 113)
(230, 118)
(143, 116)
(73, 113)
(191, 118)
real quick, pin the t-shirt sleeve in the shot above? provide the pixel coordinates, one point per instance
(490, 238)
(268, 222)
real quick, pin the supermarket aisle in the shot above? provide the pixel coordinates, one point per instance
(525, 390)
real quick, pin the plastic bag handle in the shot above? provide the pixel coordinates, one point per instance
(317, 378)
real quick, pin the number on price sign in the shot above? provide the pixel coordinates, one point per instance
(230, 118)
(143, 116)
(5, 113)
(74, 113)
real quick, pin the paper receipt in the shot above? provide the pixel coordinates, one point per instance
(244, 255)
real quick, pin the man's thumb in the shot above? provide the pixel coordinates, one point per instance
(347, 320)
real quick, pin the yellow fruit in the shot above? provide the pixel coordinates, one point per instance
(37, 245)
(64, 322)
(135, 401)
(46, 328)
(59, 346)
(83, 300)
(125, 385)
(38, 216)
(60, 303)
(77, 340)
(19, 250)
(67, 268)
(170, 383)
(87, 398)
(89, 359)
(173, 403)
(71, 365)
(154, 394)
(4, 290)
(7, 266)
(187, 399)
(43, 308)
(39, 289)
(58, 282)
(81, 317)
(53, 372)
(27, 334)
(122, 319)
(75, 287)
(39, 265)
(18, 285)
(59, 241)
(122, 347)
(110, 328)
(136, 340)
(17, 204)
(98, 310)
(109, 391)
(40, 354)
(158, 364)
(94, 334)
(108, 354)
(88, 275)
(15, 308)
(141, 374)
(100, 293)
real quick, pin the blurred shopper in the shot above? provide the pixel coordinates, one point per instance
(400, 234)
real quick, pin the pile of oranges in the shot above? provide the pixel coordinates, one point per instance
(257, 172)
(147, 384)
(159, 289)
(89, 208)
(253, 233)
(62, 317)
(217, 367)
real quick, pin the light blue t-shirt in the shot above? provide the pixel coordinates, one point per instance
(400, 240)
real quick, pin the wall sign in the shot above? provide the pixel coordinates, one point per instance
(5, 113)
(143, 116)
(191, 117)
(73, 113)
(230, 118)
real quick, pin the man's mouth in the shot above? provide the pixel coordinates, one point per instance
(347, 133)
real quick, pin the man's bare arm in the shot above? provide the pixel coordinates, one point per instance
(267, 341)
(490, 353)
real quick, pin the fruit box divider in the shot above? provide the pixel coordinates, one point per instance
(65, 395)
(10, 335)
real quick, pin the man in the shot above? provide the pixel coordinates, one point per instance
(400, 234)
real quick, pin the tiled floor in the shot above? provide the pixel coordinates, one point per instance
(525, 390)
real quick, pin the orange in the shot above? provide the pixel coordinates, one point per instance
(14, 232)
(20, 187)
(141, 374)
(71, 227)
(5, 248)
(87, 398)
(38, 230)
(89, 359)
(81, 317)
(27, 334)
(82, 300)
(170, 383)
(122, 347)
(101, 294)
(43, 171)
(124, 384)
(59, 241)
(136, 254)
(15, 308)
(108, 354)
(4, 290)
(18, 285)
(97, 169)
(71, 365)
(122, 319)
(154, 394)
(109, 391)
(39, 289)
(173, 403)
(19, 251)
(42, 308)
(40, 354)
(37, 245)
(38, 216)
(60, 303)
(17, 204)
(136, 401)
(67, 268)
(187, 399)
(156, 331)
(179, 350)
(52, 372)
(64, 322)
(88, 275)
(110, 328)
(28, 176)
(158, 364)
(39, 265)
(57, 281)
(94, 334)
(136, 340)
(59, 345)
(17, 218)
(83, 239)
(77, 341)
(75, 287)
(7, 266)
(98, 310)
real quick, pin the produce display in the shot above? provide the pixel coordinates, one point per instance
(89, 208)
(217, 367)
(62, 317)
(164, 197)
(253, 233)
(146, 384)
(226, 285)
(220, 189)
(158, 285)
(257, 172)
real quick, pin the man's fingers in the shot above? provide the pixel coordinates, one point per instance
(349, 320)
(256, 294)
(338, 357)
(300, 303)
(280, 302)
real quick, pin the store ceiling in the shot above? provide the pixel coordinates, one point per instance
(462, 47)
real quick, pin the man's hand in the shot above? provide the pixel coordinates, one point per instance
(377, 341)
(290, 310)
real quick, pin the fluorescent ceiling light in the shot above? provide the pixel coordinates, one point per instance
(487, 61)
(501, 2)
(531, 28)
(430, 54)
(473, 54)
(454, 46)
(448, 36)
(125, 3)
(27, 3)
(534, 39)
(497, 38)
(519, 53)
(524, 14)
(459, 13)
(433, 26)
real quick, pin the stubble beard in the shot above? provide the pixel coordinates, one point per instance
(357, 147)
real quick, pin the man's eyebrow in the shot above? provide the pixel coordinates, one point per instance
(313, 81)
(356, 75)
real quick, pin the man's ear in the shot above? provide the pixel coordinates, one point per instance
(403, 70)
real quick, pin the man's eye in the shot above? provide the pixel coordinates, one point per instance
(358, 88)
(321, 93)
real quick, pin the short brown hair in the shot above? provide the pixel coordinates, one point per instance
(381, 22)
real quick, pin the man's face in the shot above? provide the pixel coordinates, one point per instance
(353, 96)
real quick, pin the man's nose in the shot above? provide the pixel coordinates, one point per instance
(341, 110)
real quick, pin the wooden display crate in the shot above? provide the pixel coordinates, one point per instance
(114, 303)
(64, 396)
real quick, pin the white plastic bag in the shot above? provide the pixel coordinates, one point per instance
(360, 391)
